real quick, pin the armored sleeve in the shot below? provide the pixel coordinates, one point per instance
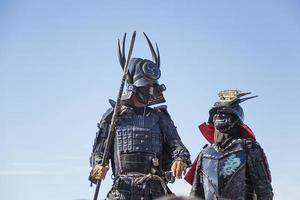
(197, 187)
(100, 140)
(177, 149)
(259, 172)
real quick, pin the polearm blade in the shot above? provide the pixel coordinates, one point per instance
(111, 132)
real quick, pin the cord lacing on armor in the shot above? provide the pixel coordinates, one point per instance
(141, 178)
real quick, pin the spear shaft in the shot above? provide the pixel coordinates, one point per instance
(112, 128)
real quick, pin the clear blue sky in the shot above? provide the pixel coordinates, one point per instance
(58, 67)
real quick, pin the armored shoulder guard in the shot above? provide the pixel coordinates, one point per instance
(107, 115)
(258, 155)
(101, 136)
(163, 109)
(259, 172)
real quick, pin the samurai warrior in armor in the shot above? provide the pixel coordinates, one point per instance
(146, 145)
(233, 166)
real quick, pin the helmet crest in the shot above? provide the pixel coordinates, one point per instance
(229, 101)
(155, 57)
(142, 73)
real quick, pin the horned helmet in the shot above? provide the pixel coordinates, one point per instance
(142, 76)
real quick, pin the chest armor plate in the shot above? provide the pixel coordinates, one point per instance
(138, 142)
(224, 172)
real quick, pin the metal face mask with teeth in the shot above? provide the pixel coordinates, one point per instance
(224, 121)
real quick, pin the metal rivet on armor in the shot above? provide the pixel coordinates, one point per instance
(137, 148)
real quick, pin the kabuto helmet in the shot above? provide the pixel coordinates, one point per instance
(229, 103)
(142, 77)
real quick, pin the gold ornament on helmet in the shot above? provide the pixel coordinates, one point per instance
(229, 95)
(233, 95)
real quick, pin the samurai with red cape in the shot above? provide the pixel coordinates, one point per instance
(233, 166)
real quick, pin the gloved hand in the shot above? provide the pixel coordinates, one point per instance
(99, 172)
(178, 167)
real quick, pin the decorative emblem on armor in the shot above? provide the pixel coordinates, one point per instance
(151, 71)
(231, 165)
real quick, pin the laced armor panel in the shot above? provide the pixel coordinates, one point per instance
(138, 142)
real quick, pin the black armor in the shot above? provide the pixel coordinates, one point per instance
(237, 172)
(234, 167)
(146, 141)
(145, 145)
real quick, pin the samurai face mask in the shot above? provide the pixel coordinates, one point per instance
(150, 94)
(224, 122)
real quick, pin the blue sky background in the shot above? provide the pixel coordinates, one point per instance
(58, 67)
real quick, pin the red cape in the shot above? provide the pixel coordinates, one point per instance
(207, 131)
